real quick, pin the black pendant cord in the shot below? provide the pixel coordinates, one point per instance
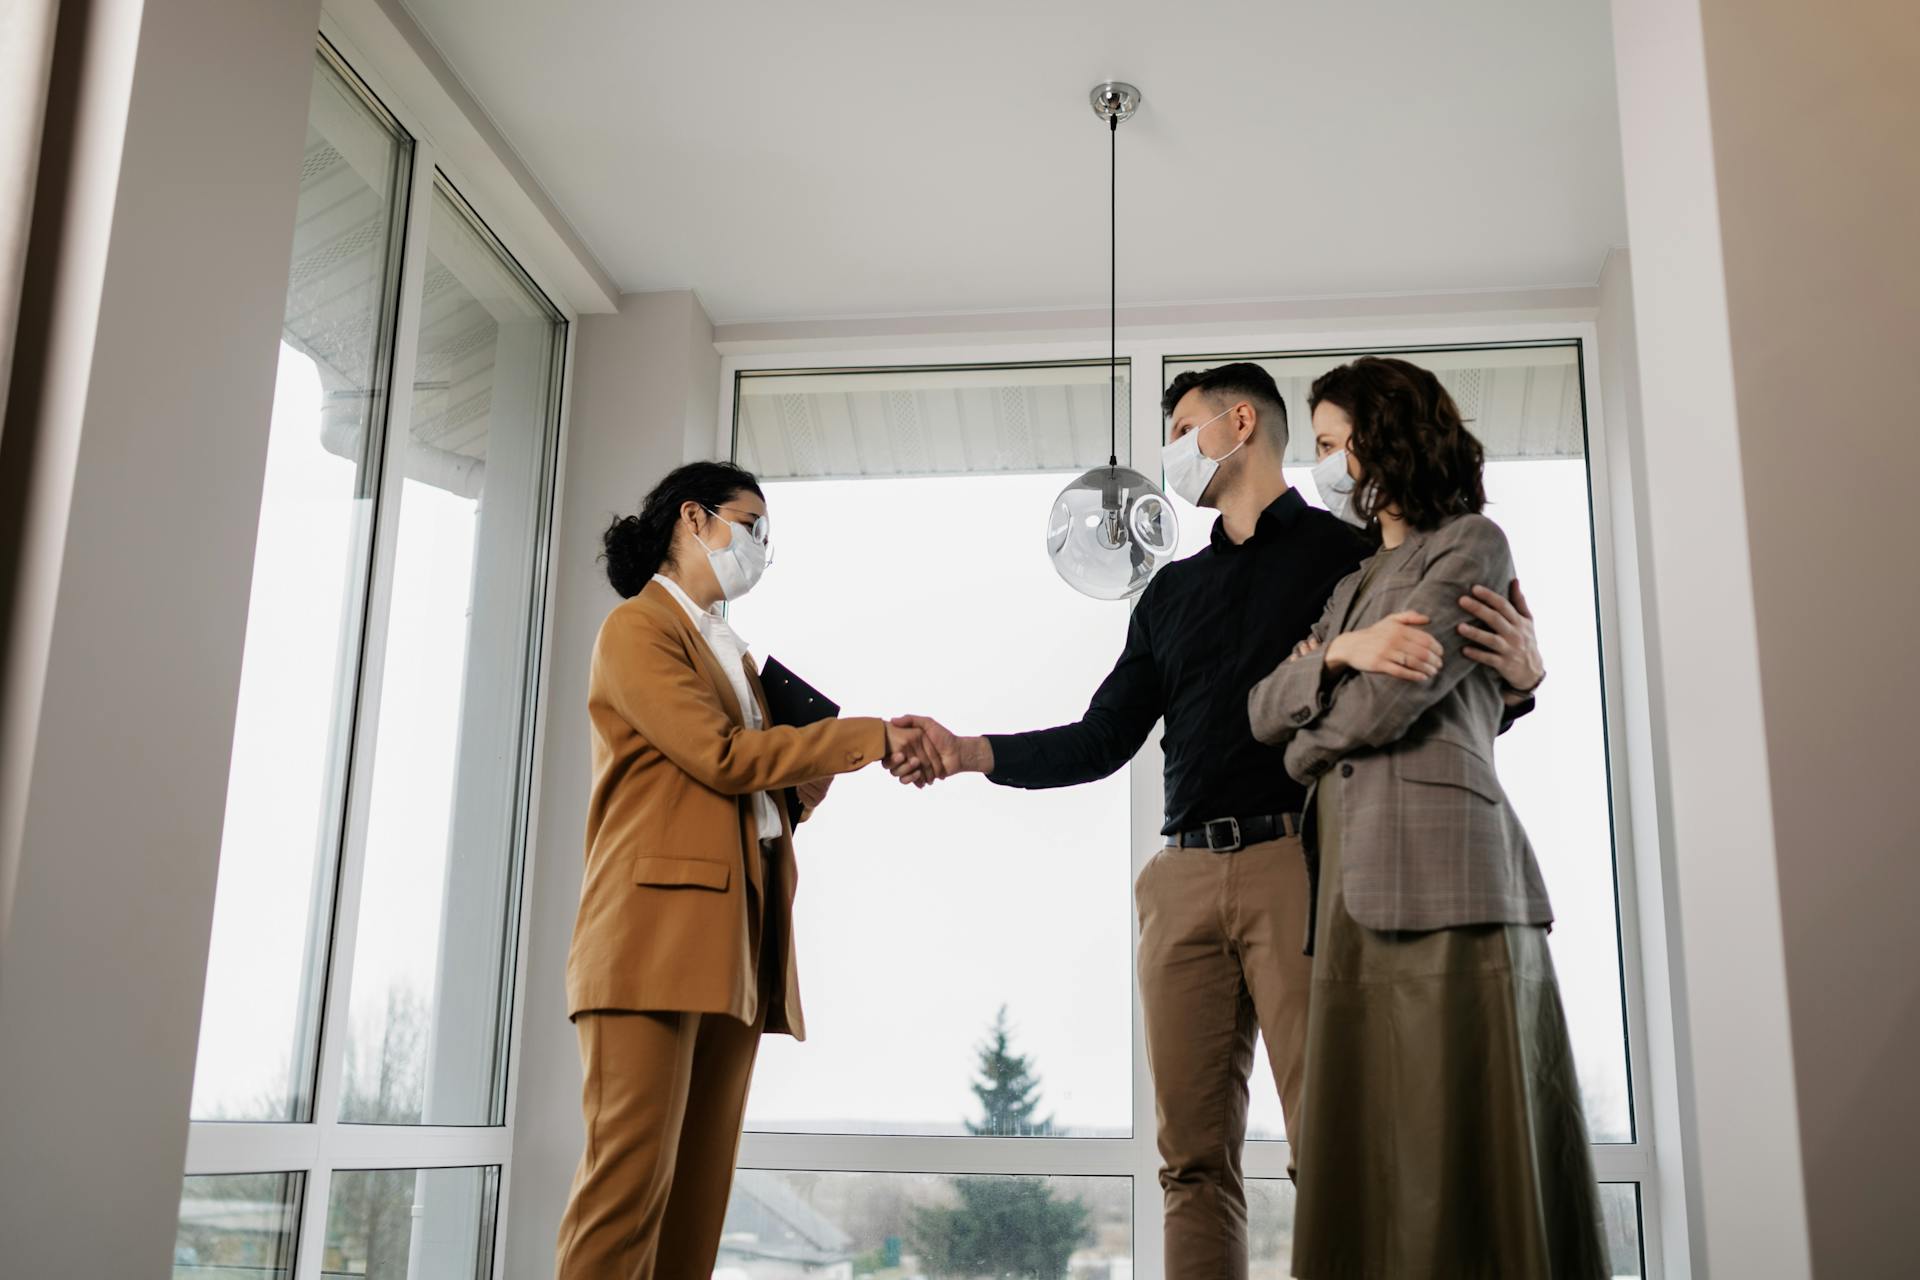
(1113, 309)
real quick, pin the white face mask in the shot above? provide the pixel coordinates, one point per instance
(1335, 484)
(738, 565)
(1190, 471)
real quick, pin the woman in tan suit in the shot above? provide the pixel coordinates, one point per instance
(1441, 1132)
(683, 950)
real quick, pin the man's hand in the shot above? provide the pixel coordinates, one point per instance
(812, 793)
(1394, 646)
(906, 745)
(930, 752)
(1506, 642)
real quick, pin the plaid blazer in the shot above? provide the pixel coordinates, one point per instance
(1428, 837)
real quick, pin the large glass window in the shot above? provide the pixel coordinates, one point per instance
(285, 788)
(1525, 404)
(967, 953)
(363, 962)
(434, 950)
(1012, 906)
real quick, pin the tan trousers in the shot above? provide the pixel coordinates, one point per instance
(664, 1098)
(1220, 958)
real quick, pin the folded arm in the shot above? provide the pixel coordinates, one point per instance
(1294, 696)
(1366, 709)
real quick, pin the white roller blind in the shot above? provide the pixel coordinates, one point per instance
(1522, 402)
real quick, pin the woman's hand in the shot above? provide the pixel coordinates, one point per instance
(905, 746)
(1306, 648)
(929, 751)
(812, 793)
(1506, 643)
(1394, 646)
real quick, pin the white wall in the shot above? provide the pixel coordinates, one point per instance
(1772, 194)
(644, 398)
(1816, 121)
(136, 434)
(1733, 1056)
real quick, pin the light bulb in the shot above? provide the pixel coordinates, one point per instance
(1110, 531)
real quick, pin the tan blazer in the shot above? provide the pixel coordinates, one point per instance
(671, 912)
(1429, 839)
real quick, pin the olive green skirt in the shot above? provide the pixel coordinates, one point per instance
(1441, 1132)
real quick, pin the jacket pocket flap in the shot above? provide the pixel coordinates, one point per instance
(681, 873)
(1444, 764)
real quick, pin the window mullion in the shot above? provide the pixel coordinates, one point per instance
(392, 1146)
(334, 1032)
(226, 1147)
(1146, 792)
(316, 1190)
(1629, 794)
(334, 1027)
(540, 678)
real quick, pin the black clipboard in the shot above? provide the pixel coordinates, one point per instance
(792, 701)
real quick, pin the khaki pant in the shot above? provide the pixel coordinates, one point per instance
(664, 1097)
(1220, 958)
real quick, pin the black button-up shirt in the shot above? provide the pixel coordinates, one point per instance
(1206, 629)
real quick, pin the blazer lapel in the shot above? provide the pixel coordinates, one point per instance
(669, 608)
(1343, 598)
(1348, 593)
(662, 601)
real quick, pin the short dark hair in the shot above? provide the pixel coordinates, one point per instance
(1241, 380)
(1415, 451)
(636, 546)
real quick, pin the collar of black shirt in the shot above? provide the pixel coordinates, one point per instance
(1280, 514)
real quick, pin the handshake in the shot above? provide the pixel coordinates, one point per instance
(921, 751)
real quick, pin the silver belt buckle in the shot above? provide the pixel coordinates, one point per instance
(1233, 825)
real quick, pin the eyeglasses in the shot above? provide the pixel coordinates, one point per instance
(759, 529)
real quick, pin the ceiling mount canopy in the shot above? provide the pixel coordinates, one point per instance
(1114, 100)
(1112, 529)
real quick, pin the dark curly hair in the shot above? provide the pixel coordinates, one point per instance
(1416, 454)
(636, 546)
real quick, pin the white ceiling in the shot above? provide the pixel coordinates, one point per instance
(881, 157)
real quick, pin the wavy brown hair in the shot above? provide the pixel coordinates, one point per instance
(1416, 454)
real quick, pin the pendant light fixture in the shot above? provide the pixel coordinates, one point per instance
(1112, 529)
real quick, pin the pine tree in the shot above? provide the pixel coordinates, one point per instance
(1008, 1091)
(1006, 1228)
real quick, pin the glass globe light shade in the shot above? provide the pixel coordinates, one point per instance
(1110, 531)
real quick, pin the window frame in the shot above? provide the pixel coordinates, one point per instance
(321, 1143)
(1610, 507)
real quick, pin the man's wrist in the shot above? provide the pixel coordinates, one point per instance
(1513, 695)
(976, 755)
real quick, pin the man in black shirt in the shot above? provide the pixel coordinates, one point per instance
(1223, 908)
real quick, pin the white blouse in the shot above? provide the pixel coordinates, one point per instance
(731, 652)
